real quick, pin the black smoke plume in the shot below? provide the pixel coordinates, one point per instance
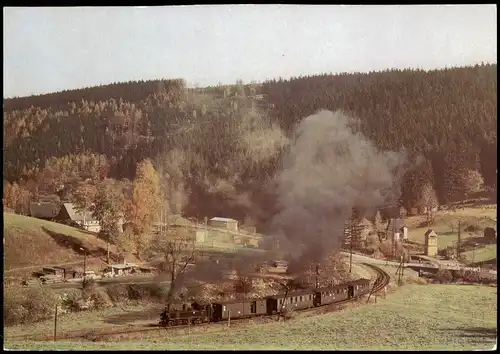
(330, 168)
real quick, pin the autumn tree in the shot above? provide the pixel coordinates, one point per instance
(17, 198)
(108, 209)
(472, 182)
(146, 197)
(329, 271)
(377, 221)
(84, 197)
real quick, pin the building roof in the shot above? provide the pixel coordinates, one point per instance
(399, 222)
(44, 209)
(222, 219)
(430, 232)
(122, 266)
(76, 215)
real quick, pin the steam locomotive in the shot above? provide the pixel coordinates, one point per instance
(196, 313)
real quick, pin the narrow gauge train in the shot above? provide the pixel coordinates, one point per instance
(296, 300)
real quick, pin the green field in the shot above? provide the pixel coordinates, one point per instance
(476, 217)
(444, 219)
(31, 243)
(481, 254)
(420, 317)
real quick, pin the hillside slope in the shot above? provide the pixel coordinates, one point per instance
(30, 242)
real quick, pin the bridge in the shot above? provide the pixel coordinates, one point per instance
(422, 263)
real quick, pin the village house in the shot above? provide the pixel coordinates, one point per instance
(224, 223)
(397, 229)
(84, 220)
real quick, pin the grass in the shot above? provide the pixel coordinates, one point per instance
(478, 217)
(31, 242)
(420, 317)
(481, 255)
(92, 320)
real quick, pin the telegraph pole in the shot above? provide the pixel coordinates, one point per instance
(458, 242)
(55, 325)
(317, 275)
(393, 238)
(350, 252)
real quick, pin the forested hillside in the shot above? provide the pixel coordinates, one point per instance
(217, 149)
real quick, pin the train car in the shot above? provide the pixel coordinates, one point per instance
(296, 300)
(358, 287)
(238, 309)
(329, 295)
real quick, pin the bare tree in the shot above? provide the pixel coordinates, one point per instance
(178, 251)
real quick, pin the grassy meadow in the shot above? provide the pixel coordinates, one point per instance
(31, 242)
(420, 317)
(473, 221)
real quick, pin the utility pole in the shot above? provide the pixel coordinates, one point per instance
(393, 237)
(458, 242)
(84, 261)
(350, 252)
(399, 271)
(317, 275)
(55, 325)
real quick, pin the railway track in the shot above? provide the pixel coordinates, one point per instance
(380, 282)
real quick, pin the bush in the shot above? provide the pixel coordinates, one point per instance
(443, 276)
(372, 243)
(88, 287)
(386, 248)
(136, 292)
(100, 299)
(472, 277)
(287, 313)
(72, 302)
(28, 305)
(117, 292)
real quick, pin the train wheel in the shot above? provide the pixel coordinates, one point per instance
(170, 323)
(197, 321)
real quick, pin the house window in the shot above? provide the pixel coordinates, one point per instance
(301, 298)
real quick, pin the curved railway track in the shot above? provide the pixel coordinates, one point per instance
(380, 282)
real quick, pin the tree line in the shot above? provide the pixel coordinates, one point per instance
(217, 149)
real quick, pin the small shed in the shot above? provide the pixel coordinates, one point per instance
(431, 245)
(490, 234)
(224, 223)
(120, 269)
(66, 272)
(56, 271)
